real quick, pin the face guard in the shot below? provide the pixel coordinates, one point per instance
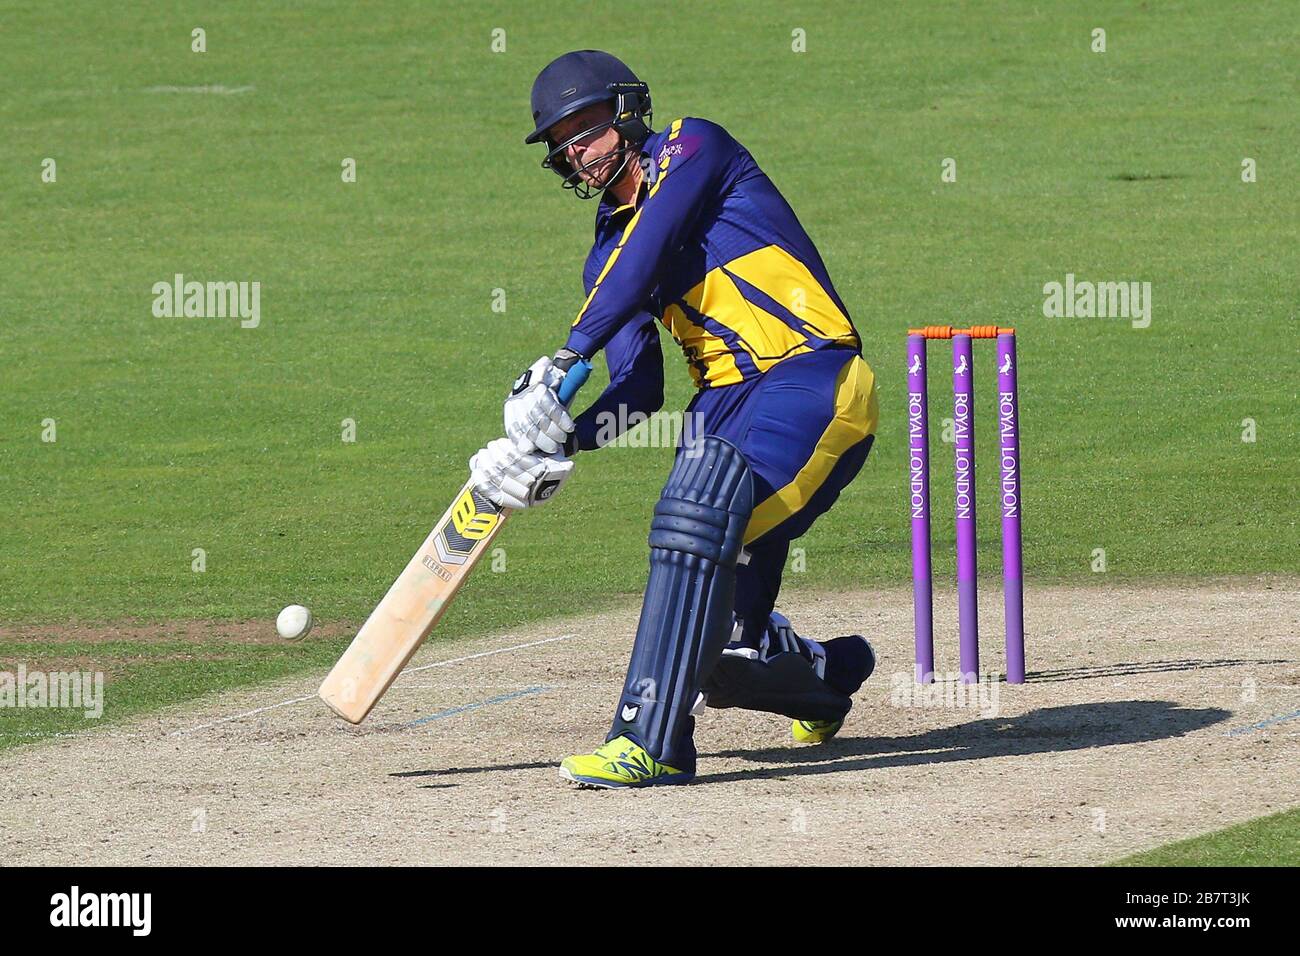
(632, 115)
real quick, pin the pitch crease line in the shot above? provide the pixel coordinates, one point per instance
(423, 667)
(499, 699)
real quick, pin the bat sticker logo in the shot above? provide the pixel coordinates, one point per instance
(469, 522)
(472, 518)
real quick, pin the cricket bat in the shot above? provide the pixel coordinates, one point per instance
(421, 594)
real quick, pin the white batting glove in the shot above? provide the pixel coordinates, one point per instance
(536, 420)
(517, 479)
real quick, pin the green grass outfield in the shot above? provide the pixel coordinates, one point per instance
(1268, 841)
(177, 434)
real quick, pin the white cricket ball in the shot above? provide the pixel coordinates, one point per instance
(293, 622)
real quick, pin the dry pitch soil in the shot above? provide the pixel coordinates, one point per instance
(1151, 714)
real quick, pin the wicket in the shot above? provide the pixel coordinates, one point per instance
(963, 396)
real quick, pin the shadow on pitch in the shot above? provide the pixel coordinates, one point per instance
(1141, 667)
(1046, 730)
(493, 768)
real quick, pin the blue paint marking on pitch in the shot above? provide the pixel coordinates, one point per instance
(452, 711)
(1264, 723)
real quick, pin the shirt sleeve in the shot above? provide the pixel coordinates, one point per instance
(694, 160)
(636, 384)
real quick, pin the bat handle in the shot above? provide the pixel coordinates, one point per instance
(574, 379)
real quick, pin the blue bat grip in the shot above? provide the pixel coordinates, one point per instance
(574, 379)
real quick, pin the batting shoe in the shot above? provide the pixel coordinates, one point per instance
(621, 763)
(849, 662)
(815, 731)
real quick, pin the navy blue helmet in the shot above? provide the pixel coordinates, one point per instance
(575, 81)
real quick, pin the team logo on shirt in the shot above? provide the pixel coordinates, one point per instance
(678, 149)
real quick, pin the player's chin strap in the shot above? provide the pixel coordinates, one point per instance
(585, 190)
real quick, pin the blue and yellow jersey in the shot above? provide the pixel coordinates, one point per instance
(716, 254)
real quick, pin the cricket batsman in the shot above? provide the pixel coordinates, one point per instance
(692, 234)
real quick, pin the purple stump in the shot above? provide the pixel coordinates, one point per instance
(1009, 489)
(963, 421)
(918, 482)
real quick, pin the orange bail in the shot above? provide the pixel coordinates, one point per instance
(948, 331)
(933, 332)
